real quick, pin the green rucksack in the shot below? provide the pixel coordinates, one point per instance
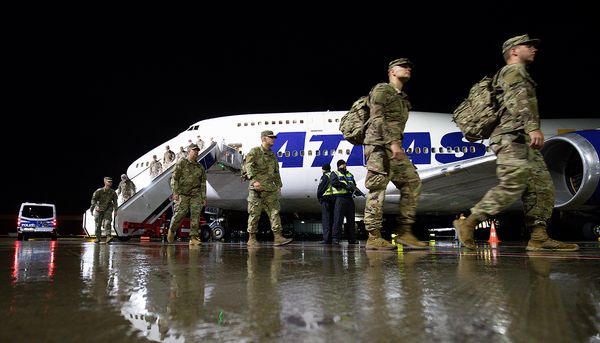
(355, 122)
(477, 115)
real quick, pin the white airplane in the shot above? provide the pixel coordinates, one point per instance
(455, 173)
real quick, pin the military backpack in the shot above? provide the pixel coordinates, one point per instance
(355, 122)
(477, 115)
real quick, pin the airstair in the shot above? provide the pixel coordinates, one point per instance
(143, 213)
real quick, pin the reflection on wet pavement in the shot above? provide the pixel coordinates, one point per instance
(67, 291)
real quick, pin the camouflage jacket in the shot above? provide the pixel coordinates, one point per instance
(262, 166)
(189, 178)
(388, 115)
(104, 199)
(168, 157)
(517, 100)
(126, 187)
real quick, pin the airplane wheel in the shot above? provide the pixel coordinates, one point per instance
(591, 230)
(205, 233)
(218, 232)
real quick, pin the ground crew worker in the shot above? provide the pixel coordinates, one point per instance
(104, 202)
(265, 185)
(189, 193)
(343, 190)
(327, 201)
(386, 160)
(516, 141)
(126, 188)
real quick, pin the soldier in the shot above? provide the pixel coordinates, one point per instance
(200, 143)
(168, 157)
(180, 155)
(155, 167)
(386, 160)
(343, 190)
(126, 189)
(189, 193)
(264, 188)
(104, 202)
(516, 141)
(327, 201)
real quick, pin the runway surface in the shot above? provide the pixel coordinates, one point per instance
(78, 291)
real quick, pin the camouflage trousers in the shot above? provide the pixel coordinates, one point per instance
(187, 204)
(103, 219)
(522, 173)
(267, 201)
(381, 169)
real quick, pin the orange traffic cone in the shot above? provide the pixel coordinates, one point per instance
(493, 235)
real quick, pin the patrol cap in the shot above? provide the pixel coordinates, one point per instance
(108, 178)
(340, 162)
(193, 146)
(326, 166)
(400, 62)
(519, 40)
(268, 133)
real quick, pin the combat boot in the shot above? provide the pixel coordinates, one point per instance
(195, 240)
(280, 240)
(406, 238)
(170, 236)
(108, 238)
(464, 230)
(376, 242)
(252, 242)
(541, 242)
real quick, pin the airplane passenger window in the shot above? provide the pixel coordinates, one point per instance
(432, 150)
(245, 124)
(329, 120)
(465, 149)
(409, 151)
(332, 152)
(309, 152)
(196, 127)
(279, 154)
(301, 121)
(347, 151)
(295, 153)
(301, 152)
(287, 121)
(294, 121)
(417, 150)
(441, 150)
(449, 148)
(426, 150)
(472, 148)
(317, 152)
(273, 122)
(337, 120)
(239, 124)
(147, 163)
(266, 122)
(325, 152)
(281, 122)
(340, 151)
(287, 154)
(252, 124)
(487, 149)
(456, 149)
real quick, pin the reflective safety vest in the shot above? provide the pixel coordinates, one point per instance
(345, 179)
(329, 190)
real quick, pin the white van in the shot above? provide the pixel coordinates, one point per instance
(36, 219)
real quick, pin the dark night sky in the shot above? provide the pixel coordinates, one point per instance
(82, 91)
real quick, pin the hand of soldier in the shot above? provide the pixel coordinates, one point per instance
(537, 139)
(175, 197)
(257, 186)
(397, 151)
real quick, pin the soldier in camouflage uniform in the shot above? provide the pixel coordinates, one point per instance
(104, 202)
(126, 188)
(155, 167)
(189, 193)
(262, 169)
(516, 141)
(168, 157)
(386, 160)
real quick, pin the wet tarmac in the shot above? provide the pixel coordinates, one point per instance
(78, 291)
